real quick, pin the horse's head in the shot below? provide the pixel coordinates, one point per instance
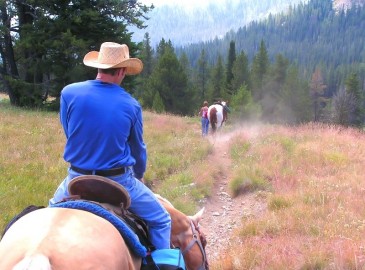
(187, 235)
(194, 252)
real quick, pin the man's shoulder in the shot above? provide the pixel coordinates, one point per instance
(75, 85)
(131, 99)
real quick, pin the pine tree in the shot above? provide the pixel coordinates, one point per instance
(353, 88)
(279, 69)
(229, 68)
(343, 107)
(295, 103)
(184, 62)
(243, 106)
(272, 88)
(202, 74)
(240, 71)
(141, 92)
(163, 46)
(317, 88)
(157, 104)
(51, 39)
(260, 67)
(147, 56)
(170, 81)
(217, 87)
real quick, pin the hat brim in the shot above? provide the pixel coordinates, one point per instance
(134, 65)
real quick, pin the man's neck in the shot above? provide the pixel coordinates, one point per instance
(105, 78)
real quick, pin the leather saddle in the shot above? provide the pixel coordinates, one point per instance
(99, 189)
(112, 197)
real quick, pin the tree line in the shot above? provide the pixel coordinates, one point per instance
(43, 52)
(204, 21)
(310, 35)
(269, 91)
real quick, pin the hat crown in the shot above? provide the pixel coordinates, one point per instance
(112, 53)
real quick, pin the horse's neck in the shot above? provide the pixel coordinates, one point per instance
(180, 222)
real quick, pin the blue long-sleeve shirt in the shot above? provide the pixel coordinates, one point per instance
(103, 126)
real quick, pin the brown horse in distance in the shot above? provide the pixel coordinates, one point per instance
(217, 115)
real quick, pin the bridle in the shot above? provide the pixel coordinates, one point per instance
(196, 240)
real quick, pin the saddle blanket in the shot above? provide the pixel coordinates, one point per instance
(129, 236)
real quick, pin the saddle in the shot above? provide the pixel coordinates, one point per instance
(113, 198)
(99, 189)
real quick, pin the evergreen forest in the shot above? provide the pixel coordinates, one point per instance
(307, 64)
(184, 23)
(279, 70)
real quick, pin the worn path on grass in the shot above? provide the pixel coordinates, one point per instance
(223, 213)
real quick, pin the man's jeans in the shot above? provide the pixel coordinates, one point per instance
(143, 203)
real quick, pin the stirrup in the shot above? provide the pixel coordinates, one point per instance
(99, 189)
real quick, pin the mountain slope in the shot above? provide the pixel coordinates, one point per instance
(309, 35)
(184, 25)
(345, 4)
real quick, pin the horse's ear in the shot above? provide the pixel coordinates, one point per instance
(198, 216)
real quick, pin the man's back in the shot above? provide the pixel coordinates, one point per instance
(98, 119)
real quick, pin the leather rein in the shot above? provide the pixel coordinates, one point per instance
(196, 240)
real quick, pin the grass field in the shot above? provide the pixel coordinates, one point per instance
(311, 177)
(32, 166)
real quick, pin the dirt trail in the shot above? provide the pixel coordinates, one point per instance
(223, 213)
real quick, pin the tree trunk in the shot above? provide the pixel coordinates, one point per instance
(9, 67)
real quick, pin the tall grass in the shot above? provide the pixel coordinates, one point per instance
(32, 165)
(313, 180)
(309, 180)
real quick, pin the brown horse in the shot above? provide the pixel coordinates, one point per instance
(186, 234)
(60, 239)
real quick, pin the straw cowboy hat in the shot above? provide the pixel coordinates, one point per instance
(113, 55)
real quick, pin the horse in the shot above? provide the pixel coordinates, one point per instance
(217, 115)
(63, 238)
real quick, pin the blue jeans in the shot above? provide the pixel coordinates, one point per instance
(205, 126)
(143, 203)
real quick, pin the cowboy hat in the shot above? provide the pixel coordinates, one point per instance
(113, 55)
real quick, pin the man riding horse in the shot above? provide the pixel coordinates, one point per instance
(104, 131)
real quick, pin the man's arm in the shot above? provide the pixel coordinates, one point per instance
(138, 147)
(63, 115)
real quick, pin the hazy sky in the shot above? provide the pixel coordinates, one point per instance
(179, 2)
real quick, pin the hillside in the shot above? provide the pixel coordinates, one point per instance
(331, 39)
(346, 4)
(184, 24)
(275, 197)
(206, 20)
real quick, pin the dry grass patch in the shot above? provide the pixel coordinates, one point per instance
(175, 151)
(316, 204)
(310, 176)
(32, 165)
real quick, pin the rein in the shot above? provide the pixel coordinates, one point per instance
(196, 240)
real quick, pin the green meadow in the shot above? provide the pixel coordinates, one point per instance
(310, 179)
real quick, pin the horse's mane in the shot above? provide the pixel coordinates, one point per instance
(182, 221)
(162, 199)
